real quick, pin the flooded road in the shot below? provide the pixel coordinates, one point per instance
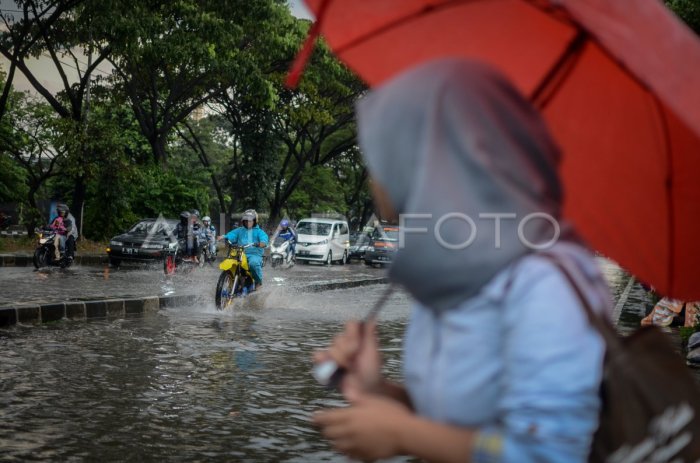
(191, 383)
(24, 285)
(186, 384)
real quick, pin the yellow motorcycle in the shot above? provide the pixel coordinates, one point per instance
(235, 279)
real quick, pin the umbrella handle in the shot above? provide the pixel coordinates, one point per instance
(328, 374)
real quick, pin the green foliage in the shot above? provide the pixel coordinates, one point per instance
(688, 11)
(269, 147)
(13, 188)
(318, 192)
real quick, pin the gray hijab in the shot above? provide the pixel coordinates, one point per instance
(455, 140)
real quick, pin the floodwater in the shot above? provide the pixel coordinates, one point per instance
(191, 383)
(23, 285)
(185, 384)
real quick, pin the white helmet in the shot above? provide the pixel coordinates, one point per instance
(206, 218)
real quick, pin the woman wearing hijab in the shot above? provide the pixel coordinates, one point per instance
(500, 363)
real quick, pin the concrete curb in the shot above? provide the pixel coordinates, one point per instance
(25, 260)
(316, 287)
(36, 314)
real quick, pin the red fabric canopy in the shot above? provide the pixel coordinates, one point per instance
(618, 82)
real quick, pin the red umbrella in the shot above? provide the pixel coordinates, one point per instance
(618, 82)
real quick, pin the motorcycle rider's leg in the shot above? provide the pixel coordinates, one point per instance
(57, 246)
(62, 240)
(255, 266)
(70, 247)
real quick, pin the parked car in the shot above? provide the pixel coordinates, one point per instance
(383, 245)
(359, 242)
(147, 240)
(322, 240)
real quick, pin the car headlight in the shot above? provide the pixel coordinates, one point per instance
(370, 249)
(323, 242)
(151, 246)
(116, 243)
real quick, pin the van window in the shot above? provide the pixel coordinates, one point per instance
(343, 229)
(313, 228)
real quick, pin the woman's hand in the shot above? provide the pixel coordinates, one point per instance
(371, 428)
(356, 349)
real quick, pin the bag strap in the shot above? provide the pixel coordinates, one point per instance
(597, 321)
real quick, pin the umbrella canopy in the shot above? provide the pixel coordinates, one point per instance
(618, 83)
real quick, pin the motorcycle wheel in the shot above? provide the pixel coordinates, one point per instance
(169, 265)
(40, 257)
(225, 290)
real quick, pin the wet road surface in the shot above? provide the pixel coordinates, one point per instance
(188, 383)
(25, 285)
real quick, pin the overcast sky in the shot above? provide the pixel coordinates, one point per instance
(299, 9)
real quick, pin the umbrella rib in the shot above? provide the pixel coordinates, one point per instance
(555, 78)
(668, 189)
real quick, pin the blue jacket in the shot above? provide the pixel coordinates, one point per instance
(288, 235)
(243, 236)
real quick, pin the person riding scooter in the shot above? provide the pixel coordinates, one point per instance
(58, 225)
(71, 230)
(288, 234)
(209, 234)
(250, 233)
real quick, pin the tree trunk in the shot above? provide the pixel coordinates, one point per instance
(79, 193)
(32, 217)
(275, 212)
(158, 147)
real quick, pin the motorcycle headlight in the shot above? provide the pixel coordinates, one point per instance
(116, 243)
(42, 240)
(172, 245)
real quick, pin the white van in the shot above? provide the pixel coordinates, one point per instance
(322, 240)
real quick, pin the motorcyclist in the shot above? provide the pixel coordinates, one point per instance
(186, 236)
(71, 230)
(288, 234)
(250, 233)
(59, 240)
(209, 234)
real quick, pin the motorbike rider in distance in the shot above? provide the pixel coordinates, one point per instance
(186, 236)
(71, 230)
(209, 234)
(59, 226)
(288, 234)
(250, 233)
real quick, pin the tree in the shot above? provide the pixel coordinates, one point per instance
(34, 146)
(61, 30)
(688, 11)
(170, 58)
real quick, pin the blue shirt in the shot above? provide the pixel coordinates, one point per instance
(243, 236)
(519, 362)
